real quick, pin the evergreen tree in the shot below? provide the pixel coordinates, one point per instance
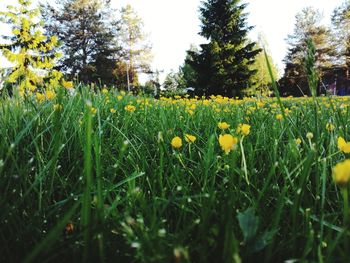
(88, 35)
(341, 34)
(223, 65)
(137, 51)
(307, 27)
(32, 53)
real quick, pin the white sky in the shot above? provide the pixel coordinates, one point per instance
(173, 25)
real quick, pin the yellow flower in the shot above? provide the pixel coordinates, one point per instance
(57, 107)
(244, 129)
(343, 145)
(40, 97)
(113, 110)
(50, 95)
(105, 91)
(176, 142)
(130, 108)
(223, 125)
(93, 110)
(279, 117)
(309, 135)
(341, 173)
(330, 127)
(67, 84)
(227, 142)
(298, 141)
(190, 138)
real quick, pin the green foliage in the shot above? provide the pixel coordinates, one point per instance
(308, 26)
(223, 65)
(82, 179)
(341, 35)
(31, 52)
(88, 33)
(261, 81)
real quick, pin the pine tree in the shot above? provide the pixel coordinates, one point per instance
(88, 34)
(223, 65)
(341, 34)
(307, 27)
(28, 49)
(137, 51)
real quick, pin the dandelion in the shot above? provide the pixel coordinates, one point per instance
(297, 141)
(244, 129)
(130, 108)
(190, 138)
(341, 173)
(113, 110)
(227, 142)
(343, 145)
(176, 142)
(223, 125)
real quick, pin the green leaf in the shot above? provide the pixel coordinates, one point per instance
(248, 223)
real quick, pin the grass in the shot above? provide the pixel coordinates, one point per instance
(80, 182)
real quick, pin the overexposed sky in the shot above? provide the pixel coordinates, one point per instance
(173, 25)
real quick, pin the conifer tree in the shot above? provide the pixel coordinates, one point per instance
(307, 27)
(88, 32)
(223, 65)
(28, 49)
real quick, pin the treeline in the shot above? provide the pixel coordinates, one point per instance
(332, 52)
(87, 41)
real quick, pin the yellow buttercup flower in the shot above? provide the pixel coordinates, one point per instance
(67, 84)
(343, 145)
(176, 142)
(113, 110)
(309, 135)
(227, 142)
(40, 97)
(244, 129)
(223, 125)
(130, 108)
(190, 138)
(341, 173)
(298, 141)
(50, 95)
(279, 117)
(57, 107)
(330, 127)
(93, 110)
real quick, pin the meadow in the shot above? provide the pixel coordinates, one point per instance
(110, 177)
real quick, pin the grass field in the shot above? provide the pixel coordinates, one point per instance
(103, 177)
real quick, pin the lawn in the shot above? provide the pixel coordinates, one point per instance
(111, 177)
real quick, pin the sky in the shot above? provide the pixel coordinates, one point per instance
(173, 25)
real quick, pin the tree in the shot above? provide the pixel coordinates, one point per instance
(88, 35)
(341, 34)
(307, 27)
(32, 53)
(222, 66)
(137, 52)
(262, 80)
